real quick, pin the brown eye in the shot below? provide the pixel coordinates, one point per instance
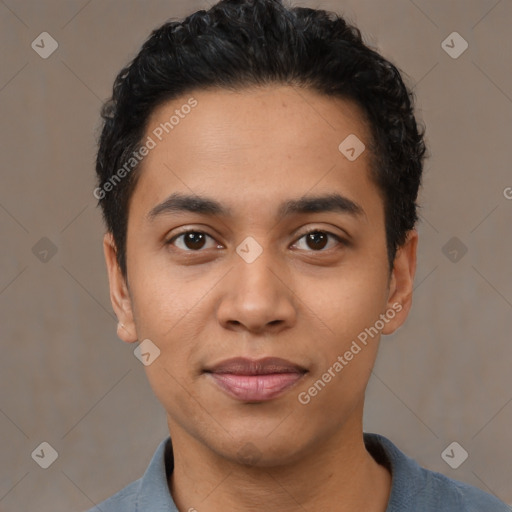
(190, 241)
(194, 240)
(317, 240)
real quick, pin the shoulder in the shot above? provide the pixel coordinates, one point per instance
(419, 489)
(148, 493)
(123, 501)
(454, 495)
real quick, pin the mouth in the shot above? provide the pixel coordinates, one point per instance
(258, 380)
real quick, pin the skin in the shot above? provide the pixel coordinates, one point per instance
(250, 150)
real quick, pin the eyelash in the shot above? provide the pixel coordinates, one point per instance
(328, 233)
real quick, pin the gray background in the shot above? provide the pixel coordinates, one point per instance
(65, 377)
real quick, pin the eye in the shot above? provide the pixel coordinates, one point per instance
(194, 241)
(317, 240)
(191, 241)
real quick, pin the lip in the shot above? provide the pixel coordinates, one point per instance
(255, 380)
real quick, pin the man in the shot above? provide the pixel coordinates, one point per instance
(258, 173)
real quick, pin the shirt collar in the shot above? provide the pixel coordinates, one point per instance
(154, 492)
(407, 475)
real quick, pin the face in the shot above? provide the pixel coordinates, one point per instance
(235, 274)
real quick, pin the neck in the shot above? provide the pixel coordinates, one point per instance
(338, 470)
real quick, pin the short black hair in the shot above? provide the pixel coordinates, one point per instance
(237, 44)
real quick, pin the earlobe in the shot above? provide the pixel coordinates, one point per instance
(401, 283)
(119, 294)
(124, 333)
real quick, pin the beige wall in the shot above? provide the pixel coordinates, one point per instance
(65, 377)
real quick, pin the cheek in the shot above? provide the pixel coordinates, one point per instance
(345, 313)
(344, 305)
(163, 296)
(163, 310)
(346, 356)
(173, 310)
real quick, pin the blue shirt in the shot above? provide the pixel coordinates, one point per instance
(413, 488)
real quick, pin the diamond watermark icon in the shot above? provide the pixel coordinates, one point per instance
(351, 147)
(249, 454)
(44, 250)
(44, 45)
(454, 455)
(249, 250)
(146, 352)
(454, 249)
(45, 455)
(454, 45)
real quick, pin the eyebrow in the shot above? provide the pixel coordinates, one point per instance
(178, 203)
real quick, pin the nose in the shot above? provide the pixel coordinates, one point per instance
(256, 297)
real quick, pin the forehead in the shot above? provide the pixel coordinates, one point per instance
(254, 145)
(259, 116)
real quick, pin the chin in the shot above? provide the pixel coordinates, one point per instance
(264, 451)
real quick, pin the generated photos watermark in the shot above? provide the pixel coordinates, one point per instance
(157, 135)
(355, 348)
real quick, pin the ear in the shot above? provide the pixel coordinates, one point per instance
(401, 283)
(119, 294)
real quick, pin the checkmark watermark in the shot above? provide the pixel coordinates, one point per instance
(44, 45)
(454, 45)
(249, 250)
(249, 454)
(45, 455)
(352, 147)
(454, 249)
(454, 455)
(146, 352)
(44, 250)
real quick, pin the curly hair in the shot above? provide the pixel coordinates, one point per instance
(243, 43)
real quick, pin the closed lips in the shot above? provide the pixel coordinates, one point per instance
(266, 366)
(255, 380)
